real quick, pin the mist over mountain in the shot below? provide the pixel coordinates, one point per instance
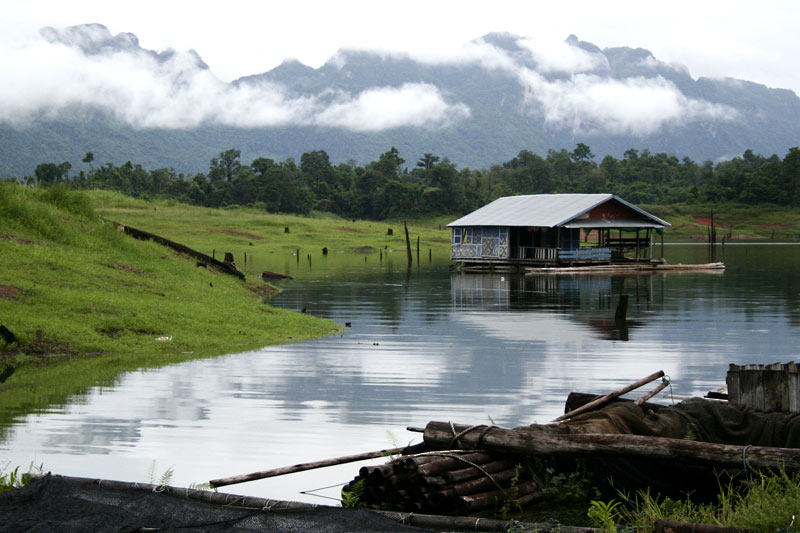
(82, 89)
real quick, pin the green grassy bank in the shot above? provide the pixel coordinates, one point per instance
(86, 302)
(734, 222)
(242, 230)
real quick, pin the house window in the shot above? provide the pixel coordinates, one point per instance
(456, 235)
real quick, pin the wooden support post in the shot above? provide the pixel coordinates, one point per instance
(622, 308)
(408, 244)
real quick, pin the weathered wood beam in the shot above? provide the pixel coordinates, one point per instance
(531, 442)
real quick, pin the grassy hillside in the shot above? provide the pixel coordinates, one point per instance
(262, 236)
(742, 223)
(87, 302)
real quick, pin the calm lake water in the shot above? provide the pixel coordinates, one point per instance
(424, 345)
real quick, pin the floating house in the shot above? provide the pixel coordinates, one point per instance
(555, 230)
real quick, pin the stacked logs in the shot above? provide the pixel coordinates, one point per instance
(446, 483)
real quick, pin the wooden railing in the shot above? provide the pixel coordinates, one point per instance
(535, 253)
(585, 255)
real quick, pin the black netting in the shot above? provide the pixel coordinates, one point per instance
(55, 503)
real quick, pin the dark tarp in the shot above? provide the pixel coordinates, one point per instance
(696, 419)
(55, 503)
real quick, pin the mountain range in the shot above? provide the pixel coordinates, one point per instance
(499, 95)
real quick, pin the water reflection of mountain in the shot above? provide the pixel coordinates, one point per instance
(555, 305)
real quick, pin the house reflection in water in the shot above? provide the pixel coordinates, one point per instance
(547, 302)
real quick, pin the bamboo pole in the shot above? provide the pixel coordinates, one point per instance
(610, 396)
(301, 467)
(613, 445)
(663, 385)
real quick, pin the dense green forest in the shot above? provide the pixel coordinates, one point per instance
(389, 188)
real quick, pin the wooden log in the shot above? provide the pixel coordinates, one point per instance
(310, 466)
(671, 526)
(469, 523)
(606, 445)
(452, 462)
(227, 268)
(496, 498)
(410, 464)
(465, 474)
(8, 335)
(481, 484)
(605, 399)
(267, 275)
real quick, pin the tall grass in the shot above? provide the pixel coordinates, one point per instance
(767, 503)
(87, 302)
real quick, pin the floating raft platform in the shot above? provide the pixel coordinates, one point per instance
(623, 268)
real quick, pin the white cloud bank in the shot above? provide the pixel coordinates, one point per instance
(176, 91)
(568, 85)
(588, 103)
(571, 87)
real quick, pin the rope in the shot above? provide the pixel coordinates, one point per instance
(471, 428)
(744, 458)
(452, 455)
(671, 395)
(456, 436)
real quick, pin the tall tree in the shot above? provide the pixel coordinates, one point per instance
(224, 167)
(427, 161)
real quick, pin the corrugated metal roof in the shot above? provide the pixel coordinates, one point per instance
(541, 210)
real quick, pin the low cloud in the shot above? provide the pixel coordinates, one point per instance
(572, 88)
(588, 103)
(554, 56)
(567, 84)
(413, 104)
(86, 66)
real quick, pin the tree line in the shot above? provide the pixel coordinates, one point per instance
(388, 188)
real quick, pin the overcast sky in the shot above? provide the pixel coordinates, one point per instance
(757, 41)
(46, 74)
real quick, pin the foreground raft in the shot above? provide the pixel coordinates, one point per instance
(452, 482)
(673, 450)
